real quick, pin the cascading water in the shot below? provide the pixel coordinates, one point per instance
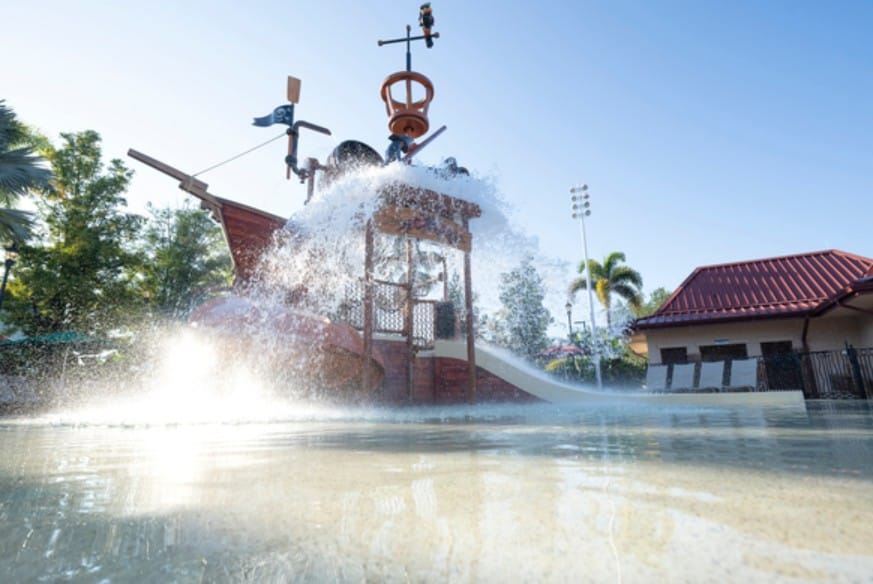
(314, 271)
(327, 257)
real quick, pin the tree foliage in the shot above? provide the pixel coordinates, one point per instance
(619, 366)
(656, 299)
(521, 324)
(83, 275)
(455, 289)
(186, 258)
(608, 279)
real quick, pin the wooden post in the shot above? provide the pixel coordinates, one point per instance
(408, 317)
(368, 302)
(471, 346)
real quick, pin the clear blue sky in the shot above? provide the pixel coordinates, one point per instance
(708, 131)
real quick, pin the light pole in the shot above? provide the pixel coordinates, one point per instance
(569, 308)
(580, 205)
(11, 256)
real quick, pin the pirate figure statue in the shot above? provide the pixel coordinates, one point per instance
(399, 146)
(425, 20)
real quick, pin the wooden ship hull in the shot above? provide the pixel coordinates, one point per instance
(405, 212)
(321, 356)
(315, 350)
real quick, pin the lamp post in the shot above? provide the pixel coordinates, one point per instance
(569, 308)
(580, 206)
(11, 256)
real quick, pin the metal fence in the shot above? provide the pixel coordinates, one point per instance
(845, 374)
(423, 323)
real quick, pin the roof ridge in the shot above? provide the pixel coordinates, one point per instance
(822, 252)
(754, 305)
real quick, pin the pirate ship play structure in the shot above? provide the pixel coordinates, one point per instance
(416, 358)
(395, 366)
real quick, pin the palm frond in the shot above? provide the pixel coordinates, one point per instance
(627, 275)
(629, 293)
(21, 170)
(611, 261)
(15, 225)
(576, 285)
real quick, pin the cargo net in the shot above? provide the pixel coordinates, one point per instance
(389, 312)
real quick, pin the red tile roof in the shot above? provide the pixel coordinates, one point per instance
(768, 288)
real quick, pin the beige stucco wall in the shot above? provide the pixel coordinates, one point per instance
(829, 333)
(867, 333)
(833, 333)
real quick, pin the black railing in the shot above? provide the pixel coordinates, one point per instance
(844, 374)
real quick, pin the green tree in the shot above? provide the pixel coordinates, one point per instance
(656, 299)
(456, 297)
(84, 275)
(187, 256)
(620, 367)
(521, 324)
(391, 253)
(611, 278)
(20, 171)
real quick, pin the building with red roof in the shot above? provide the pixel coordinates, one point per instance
(818, 301)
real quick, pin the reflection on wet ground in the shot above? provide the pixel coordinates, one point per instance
(486, 493)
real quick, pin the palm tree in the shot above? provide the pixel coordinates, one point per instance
(611, 278)
(20, 171)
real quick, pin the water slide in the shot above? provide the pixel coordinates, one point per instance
(537, 383)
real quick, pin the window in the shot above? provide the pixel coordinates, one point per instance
(775, 348)
(782, 365)
(672, 355)
(723, 352)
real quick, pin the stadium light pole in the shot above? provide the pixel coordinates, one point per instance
(580, 205)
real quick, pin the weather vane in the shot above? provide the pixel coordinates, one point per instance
(426, 21)
(407, 116)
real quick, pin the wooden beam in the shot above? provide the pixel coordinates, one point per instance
(368, 300)
(421, 224)
(471, 337)
(186, 182)
(404, 195)
(408, 318)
